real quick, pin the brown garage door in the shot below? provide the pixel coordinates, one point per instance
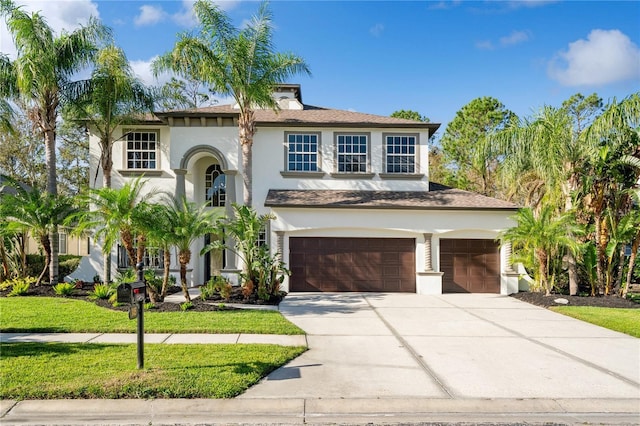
(352, 264)
(470, 266)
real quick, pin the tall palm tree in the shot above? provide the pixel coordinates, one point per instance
(112, 217)
(542, 236)
(187, 223)
(112, 97)
(240, 63)
(38, 213)
(41, 73)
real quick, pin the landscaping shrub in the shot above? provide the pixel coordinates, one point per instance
(64, 289)
(216, 285)
(67, 264)
(102, 291)
(20, 286)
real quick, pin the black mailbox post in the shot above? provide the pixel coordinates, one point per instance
(135, 294)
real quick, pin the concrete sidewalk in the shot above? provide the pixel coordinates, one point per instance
(321, 411)
(167, 338)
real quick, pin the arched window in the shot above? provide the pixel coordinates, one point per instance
(215, 186)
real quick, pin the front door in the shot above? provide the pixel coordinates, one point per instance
(214, 261)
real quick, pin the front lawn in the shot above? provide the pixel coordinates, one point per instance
(62, 370)
(60, 315)
(623, 320)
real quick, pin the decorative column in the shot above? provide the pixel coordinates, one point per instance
(428, 264)
(508, 266)
(180, 184)
(230, 192)
(280, 244)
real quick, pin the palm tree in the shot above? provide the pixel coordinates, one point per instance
(113, 97)
(41, 73)
(237, 62)
(542, 236)
(187, 223)
(30, 210)
(112, 216)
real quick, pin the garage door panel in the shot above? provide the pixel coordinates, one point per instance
(352, 264)
(470, 265)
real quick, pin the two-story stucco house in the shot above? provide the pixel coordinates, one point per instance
(354, 209)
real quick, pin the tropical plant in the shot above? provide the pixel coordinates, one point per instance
(40, 76)
(263, 272)
(38, 213)
(187, 223)
(113, 96)
(112, 216)
(240, 63)
(64, 289)
(542, 237)
(20, 286)
(102, 291)
(216, 285)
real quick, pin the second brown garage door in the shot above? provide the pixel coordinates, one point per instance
(470, 266)
(352, 264)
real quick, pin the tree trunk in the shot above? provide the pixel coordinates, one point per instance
(167, 272)
(541, 255)
(632, 262)
(141, 246)
(184, 257)
(106, 263)
(52, 189)
(618, 285)
(573, 274)
(246, 128)
(107, 162)
(46, 246)
(600, 255)
(127, 240)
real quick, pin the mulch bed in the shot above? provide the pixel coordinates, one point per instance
(539, 299)
(198, 305)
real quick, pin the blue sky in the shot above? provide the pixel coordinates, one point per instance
(432, 57)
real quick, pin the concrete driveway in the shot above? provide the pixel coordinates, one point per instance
(458, 346)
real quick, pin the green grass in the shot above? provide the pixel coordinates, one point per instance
(61, 370)
(60, 315)
(623, 320)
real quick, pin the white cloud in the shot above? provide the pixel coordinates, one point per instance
(485, 45)
(376, 30)
(516, 37)
(142, 69)
(60, 15)
(150, 15)
(606, 56)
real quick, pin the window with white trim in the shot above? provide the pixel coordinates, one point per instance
(62, 243)
(352, 153)
(142, 150)
(401, 153)
(302, 152)
(215, 186)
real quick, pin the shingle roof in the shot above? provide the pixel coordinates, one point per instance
(439, 197)
(309, 115)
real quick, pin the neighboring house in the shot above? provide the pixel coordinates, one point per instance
(354, 209)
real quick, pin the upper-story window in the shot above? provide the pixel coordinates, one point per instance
(303, 152)
(352, 153)
(401, 153)
(142, 150)
(215, 186)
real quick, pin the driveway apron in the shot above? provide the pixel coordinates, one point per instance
(457, 346)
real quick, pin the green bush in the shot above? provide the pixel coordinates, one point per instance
(186, 306)
(102, 291)
(67, 264)
(20, 286)
(64, 289)
(216, 285)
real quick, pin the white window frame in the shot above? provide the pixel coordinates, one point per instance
(349, 151)
(134, 144)
(409, 152)
(305, 155)
(62, 243)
